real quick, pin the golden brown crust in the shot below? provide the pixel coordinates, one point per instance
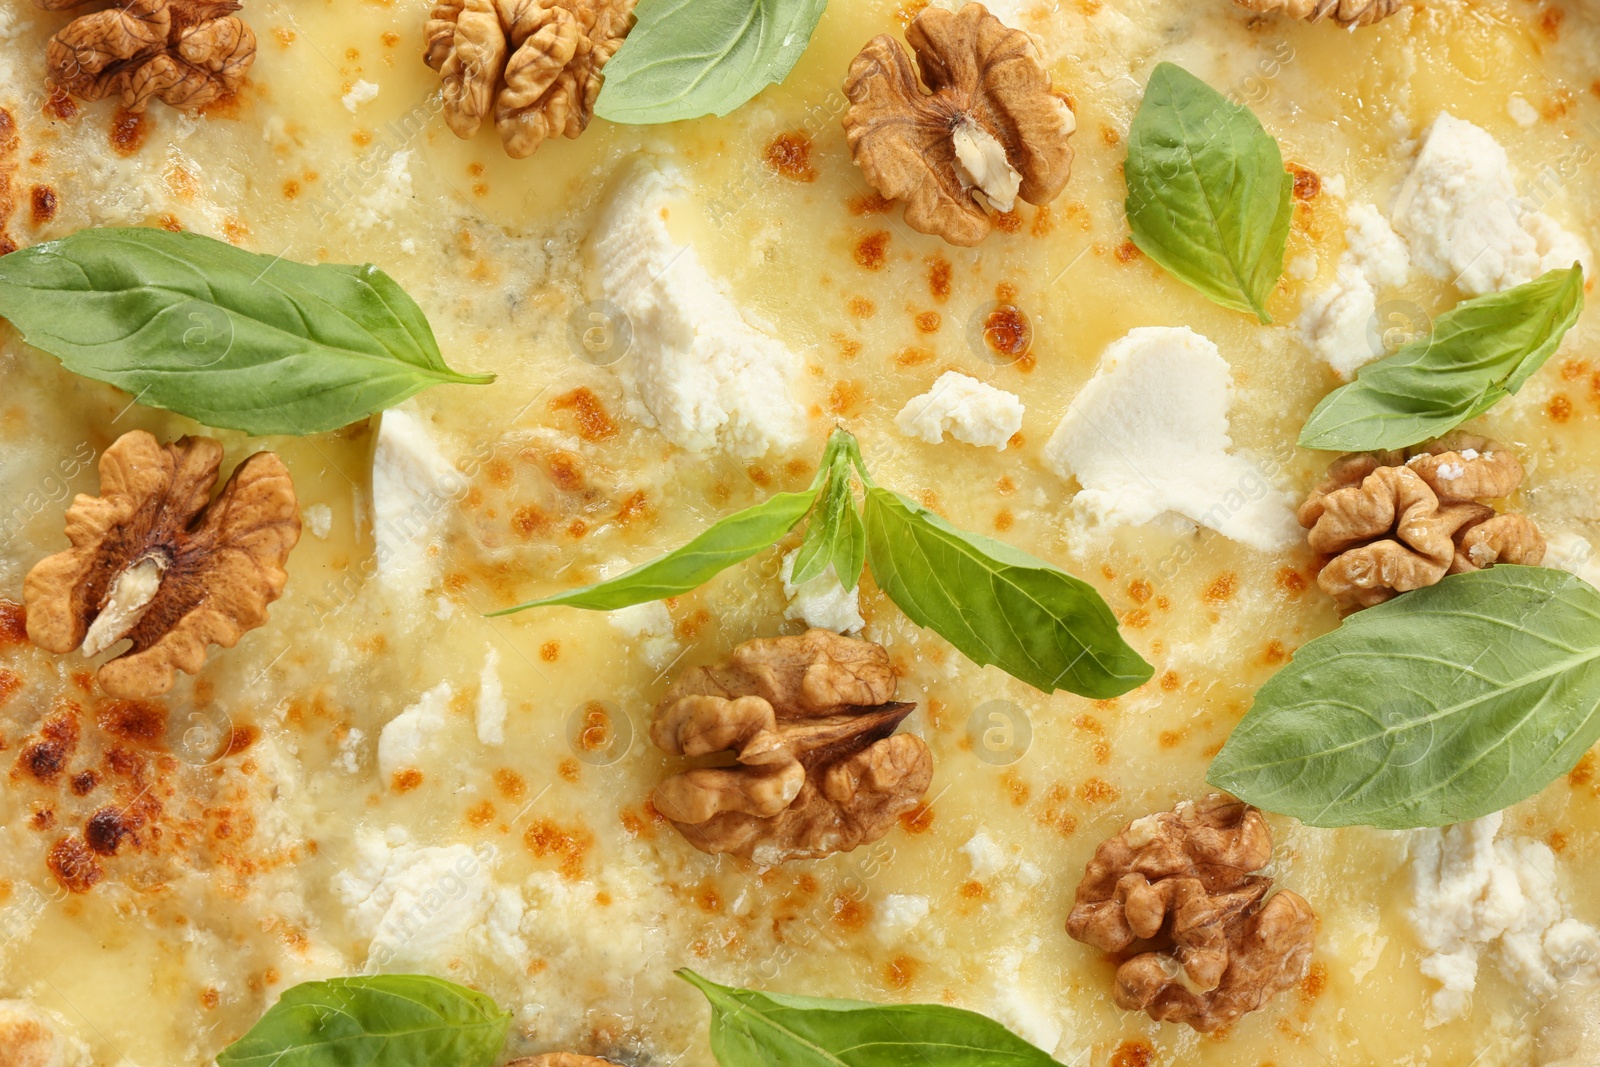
(1394, 522)
(1344, 12)
(535, 63)
(810, 720)
(218, 565)
(188, 53)
(983, 78)
(1174, 896)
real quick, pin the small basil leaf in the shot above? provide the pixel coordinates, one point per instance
(749, 1028)
(687, 58)
(387, 1020)
(1208, 196)
(835, 536)
(227, 337)
(735, 538)
(1442, 705)
(997, 604)
(1479, 353)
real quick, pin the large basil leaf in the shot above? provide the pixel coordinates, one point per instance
(227, 337)
(835, 535)
(1442, 705)
(687, 58)
(750, 1028)
(1208, 196)
(997, 604)
(387, 1020)
(1478, 354)
(735, 538)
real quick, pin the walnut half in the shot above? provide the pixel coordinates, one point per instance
(155, 560)
(1198, 938)
(809, 720)
(1398, 521)
(189, 53)
(1347, 13)
(990, 128)
(537, 63)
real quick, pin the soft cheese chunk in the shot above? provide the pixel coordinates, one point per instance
(1474, 891)
(491, 717)
(1149, 434)
(822, 602)
(1460, 211)
(413, 485)
(31, 1038)
(697, 368)
(966, 409)
(649, 626)
(406, 739)
(1339, 324)
(421, 908)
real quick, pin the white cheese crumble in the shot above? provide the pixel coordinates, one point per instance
(1460, 212)
(1340, 323)
(1148, 435)
(1474, 893)
(1522, 113)
(649, 625)
(361, 92)
(698, 368)
(388, 193)
(822, 602)
(348, 759)
(413, 490)
(408, 736)
(491, 718)
(897, 914)
(964, 407)
(424, 907)
(319, 520)
(987, 858)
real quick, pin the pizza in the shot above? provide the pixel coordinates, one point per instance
(568, 532)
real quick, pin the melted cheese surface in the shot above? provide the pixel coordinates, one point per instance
(273, 850)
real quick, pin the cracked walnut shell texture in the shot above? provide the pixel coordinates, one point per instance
(188, 53)
(162, 563)
(1199, 937)
(1394, 521)
(811, 721)
(535, 64)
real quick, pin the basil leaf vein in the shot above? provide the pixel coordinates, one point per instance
(729, 541)
(1208, 196)
(836, 535)
(1479, 353)
(750, 1027)
(1446, 704)
(996, 603)
(229, 338)
(377, 1021)
(687, 58)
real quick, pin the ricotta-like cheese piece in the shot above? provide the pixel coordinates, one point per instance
(1339, 323)
(491, 717)
(649, 625)
(1473, 892)
(407, 737)
(897, 914)
(698, 368)
(362, 92)
(987, 857)
(1460, 211)
(318, 519)
(413, 485)
(1148, 435)
(821, 602)
(964, 407)
(387, 194)
(423, 906)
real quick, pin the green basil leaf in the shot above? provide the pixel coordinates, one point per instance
(1478, 354)
(687, 58)
(836, 534)
(997, 604)
(386, 1020)
(735, 538)
(1442, 705)
(227, 337)
(750, 1028)
(1208, 196)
